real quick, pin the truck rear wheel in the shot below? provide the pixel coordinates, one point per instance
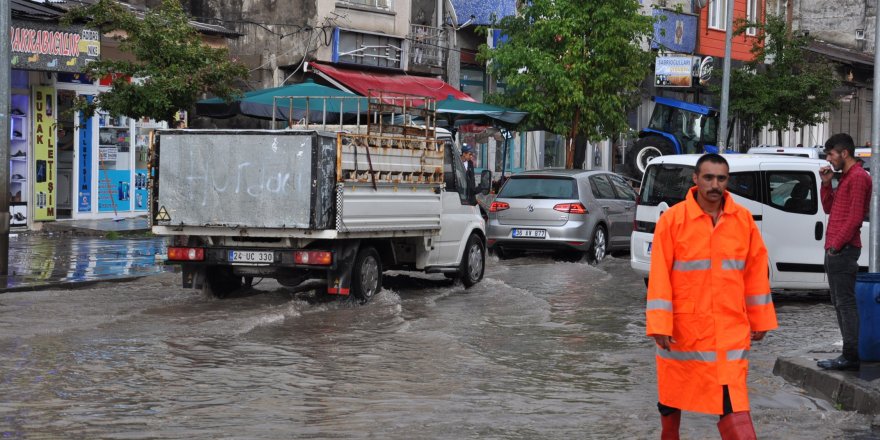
(639, 154)
(366, 275)
(220, 282)
(473, 262)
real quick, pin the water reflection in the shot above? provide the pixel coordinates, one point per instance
(42, 259)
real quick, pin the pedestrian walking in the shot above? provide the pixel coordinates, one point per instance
(467, 160)
(708, 298)
(846, 207)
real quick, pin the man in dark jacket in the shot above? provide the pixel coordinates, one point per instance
(467, 159)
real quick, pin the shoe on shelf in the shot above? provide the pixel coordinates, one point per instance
(19, 153)
(17, 112)
(840, 364)
(19, 217)
(17, 134)
(17, 177)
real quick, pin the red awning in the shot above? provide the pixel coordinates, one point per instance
(361, 82)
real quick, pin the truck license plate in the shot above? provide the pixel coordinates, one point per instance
(529, 233)
(258, 257)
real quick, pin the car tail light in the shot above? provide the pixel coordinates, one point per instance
(314, 258)
(498, 206)
(186, 254)
(571, 208)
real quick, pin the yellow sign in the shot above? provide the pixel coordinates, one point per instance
(163, 216)
(44, 153)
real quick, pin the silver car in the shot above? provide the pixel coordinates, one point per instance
(588, 212)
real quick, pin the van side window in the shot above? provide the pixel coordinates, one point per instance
(601, 187)
(744, 185)
(666, 183)
(792, 191)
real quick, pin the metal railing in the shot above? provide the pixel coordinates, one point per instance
(426, 45)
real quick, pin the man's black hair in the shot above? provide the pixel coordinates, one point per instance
(840, 142)
(710, 157)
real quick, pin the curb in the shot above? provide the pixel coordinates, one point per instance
(852, 391)
(68, 284)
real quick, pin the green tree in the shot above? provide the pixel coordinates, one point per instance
(574, 65)
(781, 86)
(171, 65)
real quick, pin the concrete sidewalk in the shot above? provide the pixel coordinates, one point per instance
(848, 390)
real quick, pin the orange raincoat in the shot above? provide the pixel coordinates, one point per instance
(708, 289)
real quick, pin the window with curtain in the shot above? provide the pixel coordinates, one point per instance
(752, 15)
(718, 14)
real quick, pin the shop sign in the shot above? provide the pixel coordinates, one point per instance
(673, 71)
(43, 109)
(705, 70)
(86, 134)
(48, 46)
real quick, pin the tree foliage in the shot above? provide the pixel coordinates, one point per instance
(170, 68)
(781, 86)
(574, 65)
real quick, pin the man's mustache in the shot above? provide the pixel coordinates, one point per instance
(715, 191)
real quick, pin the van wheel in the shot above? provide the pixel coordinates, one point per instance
(598, 246)
(639, 154)
(220, 282)
(366, 276)
(473, 262)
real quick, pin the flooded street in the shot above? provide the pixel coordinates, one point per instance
(37, 259)
(541, 349)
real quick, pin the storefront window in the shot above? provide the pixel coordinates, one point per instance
(114, 168)
(554, 151)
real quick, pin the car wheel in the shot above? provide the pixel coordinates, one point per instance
(473, 262)
(645, 149)
(220, 282)
(366, 276)
(598, 245)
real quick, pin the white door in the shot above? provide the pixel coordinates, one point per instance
(793, 225)
(458, 214)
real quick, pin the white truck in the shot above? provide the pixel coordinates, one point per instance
(296, 204)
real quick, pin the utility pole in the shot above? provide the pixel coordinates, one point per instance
(5, 99)
(725, 79)
(874, 248)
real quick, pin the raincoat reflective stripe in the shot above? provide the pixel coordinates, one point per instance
(714, 276)
(733, 264)
(660, 304)
(705, 356)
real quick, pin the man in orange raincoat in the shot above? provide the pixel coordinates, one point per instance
(708, 298)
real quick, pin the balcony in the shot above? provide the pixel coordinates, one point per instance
(376, 4)
(427, 45)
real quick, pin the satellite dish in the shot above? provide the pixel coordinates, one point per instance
(700, 4)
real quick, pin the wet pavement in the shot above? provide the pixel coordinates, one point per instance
(78, 252)
(540, 349)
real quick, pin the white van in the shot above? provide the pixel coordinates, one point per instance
(782, 193)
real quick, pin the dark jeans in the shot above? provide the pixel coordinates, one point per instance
(842, 269)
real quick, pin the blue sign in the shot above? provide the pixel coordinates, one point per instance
(84, 186)
(676, 33)
(115, 191)
(481, 12)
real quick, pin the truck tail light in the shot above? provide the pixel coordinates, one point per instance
(571, 208)
(186, 254)
(313, 258)
(498, 206)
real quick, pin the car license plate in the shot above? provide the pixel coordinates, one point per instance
(649, 248)
(258, 257)
(529, 233)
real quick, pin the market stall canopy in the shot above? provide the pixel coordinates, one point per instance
(366, 83)
(321, 102)
(457, 111)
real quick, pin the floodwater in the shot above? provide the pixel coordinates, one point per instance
(540, 349)
(39, 259)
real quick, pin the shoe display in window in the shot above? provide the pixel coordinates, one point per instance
(19, 217)
(17, 177)
(16, 112)
(17, 134)
(19, 153)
